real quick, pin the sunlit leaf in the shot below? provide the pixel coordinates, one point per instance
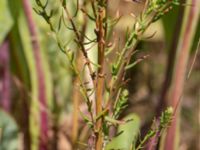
(128, 133)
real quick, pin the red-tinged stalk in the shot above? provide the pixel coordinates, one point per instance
(4, 76)
(170, 62)
(189, 25)
(100, 31)
(40, 75)
(175, 73)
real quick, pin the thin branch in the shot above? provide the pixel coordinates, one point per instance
(80, 43)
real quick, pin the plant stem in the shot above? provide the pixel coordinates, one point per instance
(191, 16)
(76, 94)
(170, 63)
(25, 124)
(80, 44)
(124, 59)
(5, 76)
(76, 97)
(40, 74)
(162, 104)
(100, 75)
(79, 40)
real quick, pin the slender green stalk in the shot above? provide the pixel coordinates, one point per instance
(42, 95)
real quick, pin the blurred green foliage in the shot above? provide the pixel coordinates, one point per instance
(5, 19)
(9, 132)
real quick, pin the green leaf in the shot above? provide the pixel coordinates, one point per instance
(127, 134)
(9, 139)
(5, 19)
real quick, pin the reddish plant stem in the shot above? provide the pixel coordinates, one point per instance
(4, 76)
(40, 74)
(175, 87)
(100, 75)
(184, 44)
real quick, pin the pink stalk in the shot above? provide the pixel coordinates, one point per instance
(4, 76)
(40, 74)
(176, 71)
(184, 45)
